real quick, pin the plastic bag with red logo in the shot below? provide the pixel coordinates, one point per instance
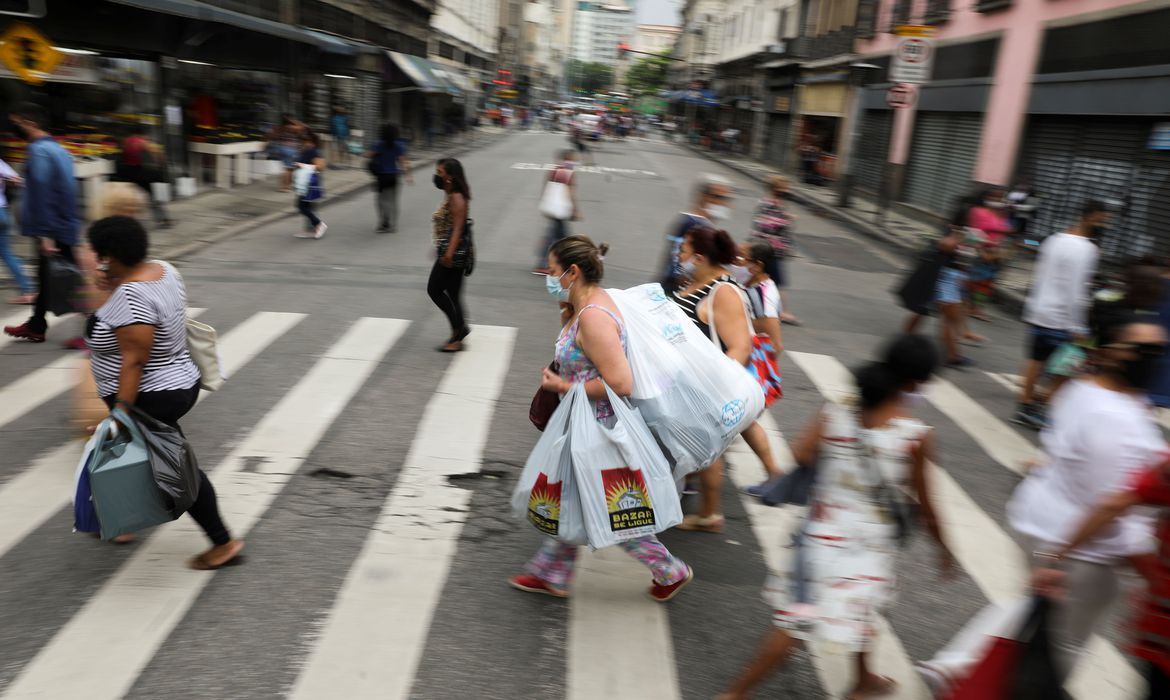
(624, 481)
(545, 495)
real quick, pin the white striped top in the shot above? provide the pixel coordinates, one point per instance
(161, 303)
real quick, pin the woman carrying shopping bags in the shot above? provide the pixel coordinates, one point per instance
(864, 456)
(138, 340)
(591, 349)
(711, 297)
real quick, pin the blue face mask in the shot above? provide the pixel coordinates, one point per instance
(687, 267)
(553, 285)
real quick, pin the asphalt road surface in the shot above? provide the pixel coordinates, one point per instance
(371, 476)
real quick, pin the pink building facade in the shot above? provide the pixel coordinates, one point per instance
(1071, 95)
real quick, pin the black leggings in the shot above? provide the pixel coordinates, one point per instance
(305, 207)
(168, 407)
(445, 288)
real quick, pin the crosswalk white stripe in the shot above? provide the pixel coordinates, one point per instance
(34, 495)
(104, 647)
(991, 557)
(995, 437)
(376, 631)
(42, 385)
(609, 594)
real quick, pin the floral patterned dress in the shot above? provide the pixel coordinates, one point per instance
(845, 555)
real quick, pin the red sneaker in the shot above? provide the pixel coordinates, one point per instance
(664, 593)
(532, 584)
(77, 343)
(24, 333)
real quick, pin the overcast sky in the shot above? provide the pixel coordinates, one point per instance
(658, 11)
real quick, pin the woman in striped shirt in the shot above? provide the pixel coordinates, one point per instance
(138, 341)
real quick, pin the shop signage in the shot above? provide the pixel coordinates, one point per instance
(914, 57)
(27, 53)
(782, 103)
(901, 96)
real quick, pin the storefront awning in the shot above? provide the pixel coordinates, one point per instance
(427, 76)
(703, 98)
(193, 9)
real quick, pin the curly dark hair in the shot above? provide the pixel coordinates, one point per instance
(120, 238)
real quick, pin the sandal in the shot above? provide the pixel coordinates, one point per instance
(453, 346)
(698, 523)
(202, 563)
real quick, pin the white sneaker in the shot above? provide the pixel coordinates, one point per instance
(320, 230)
(304, 234)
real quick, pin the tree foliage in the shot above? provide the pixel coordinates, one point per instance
(590, 77)
(648, 74)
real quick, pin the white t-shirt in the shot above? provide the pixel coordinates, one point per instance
(1060, 295)
(765, 299)
(1099, 439)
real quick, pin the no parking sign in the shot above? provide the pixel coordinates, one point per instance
(914, 56)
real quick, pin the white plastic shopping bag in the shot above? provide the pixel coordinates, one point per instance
(555, 202)
(623, 480)
(545, 495)
(694, 398)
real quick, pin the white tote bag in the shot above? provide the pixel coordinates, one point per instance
(204, 348)
(556, 203)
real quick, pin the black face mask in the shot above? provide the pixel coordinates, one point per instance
(1096, 232)
(439, 182)
(1142, 372)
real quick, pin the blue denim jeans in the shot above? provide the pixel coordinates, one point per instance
(15, 263)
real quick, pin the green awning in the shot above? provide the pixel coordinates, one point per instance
(427, 76)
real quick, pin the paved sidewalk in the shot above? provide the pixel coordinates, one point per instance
(898, 231)
(213, 215)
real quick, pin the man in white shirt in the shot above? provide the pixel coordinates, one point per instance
(1058, 302)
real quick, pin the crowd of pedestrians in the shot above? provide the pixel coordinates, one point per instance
(863, 461)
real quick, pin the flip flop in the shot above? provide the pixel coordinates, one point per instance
(200, 563)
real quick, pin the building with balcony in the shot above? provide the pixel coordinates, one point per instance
(698, 43)
(1073, 96)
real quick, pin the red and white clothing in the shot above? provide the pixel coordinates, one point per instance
(1152, 628)
(849, 546)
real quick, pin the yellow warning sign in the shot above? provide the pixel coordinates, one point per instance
(914, 30)
(28, 53)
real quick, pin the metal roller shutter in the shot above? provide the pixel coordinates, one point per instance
(1072, 160)
(777, 140)
(873, 149)
(942, 157)
(368, 107)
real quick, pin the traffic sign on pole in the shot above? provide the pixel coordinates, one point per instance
(28, 53)
(901, 96)
(914, 56)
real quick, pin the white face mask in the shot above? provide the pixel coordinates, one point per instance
(741, 274)
(718, 212)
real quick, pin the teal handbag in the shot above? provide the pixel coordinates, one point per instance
(125, 493)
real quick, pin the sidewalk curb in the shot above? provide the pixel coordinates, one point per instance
(1010, 300)
(179, 251)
